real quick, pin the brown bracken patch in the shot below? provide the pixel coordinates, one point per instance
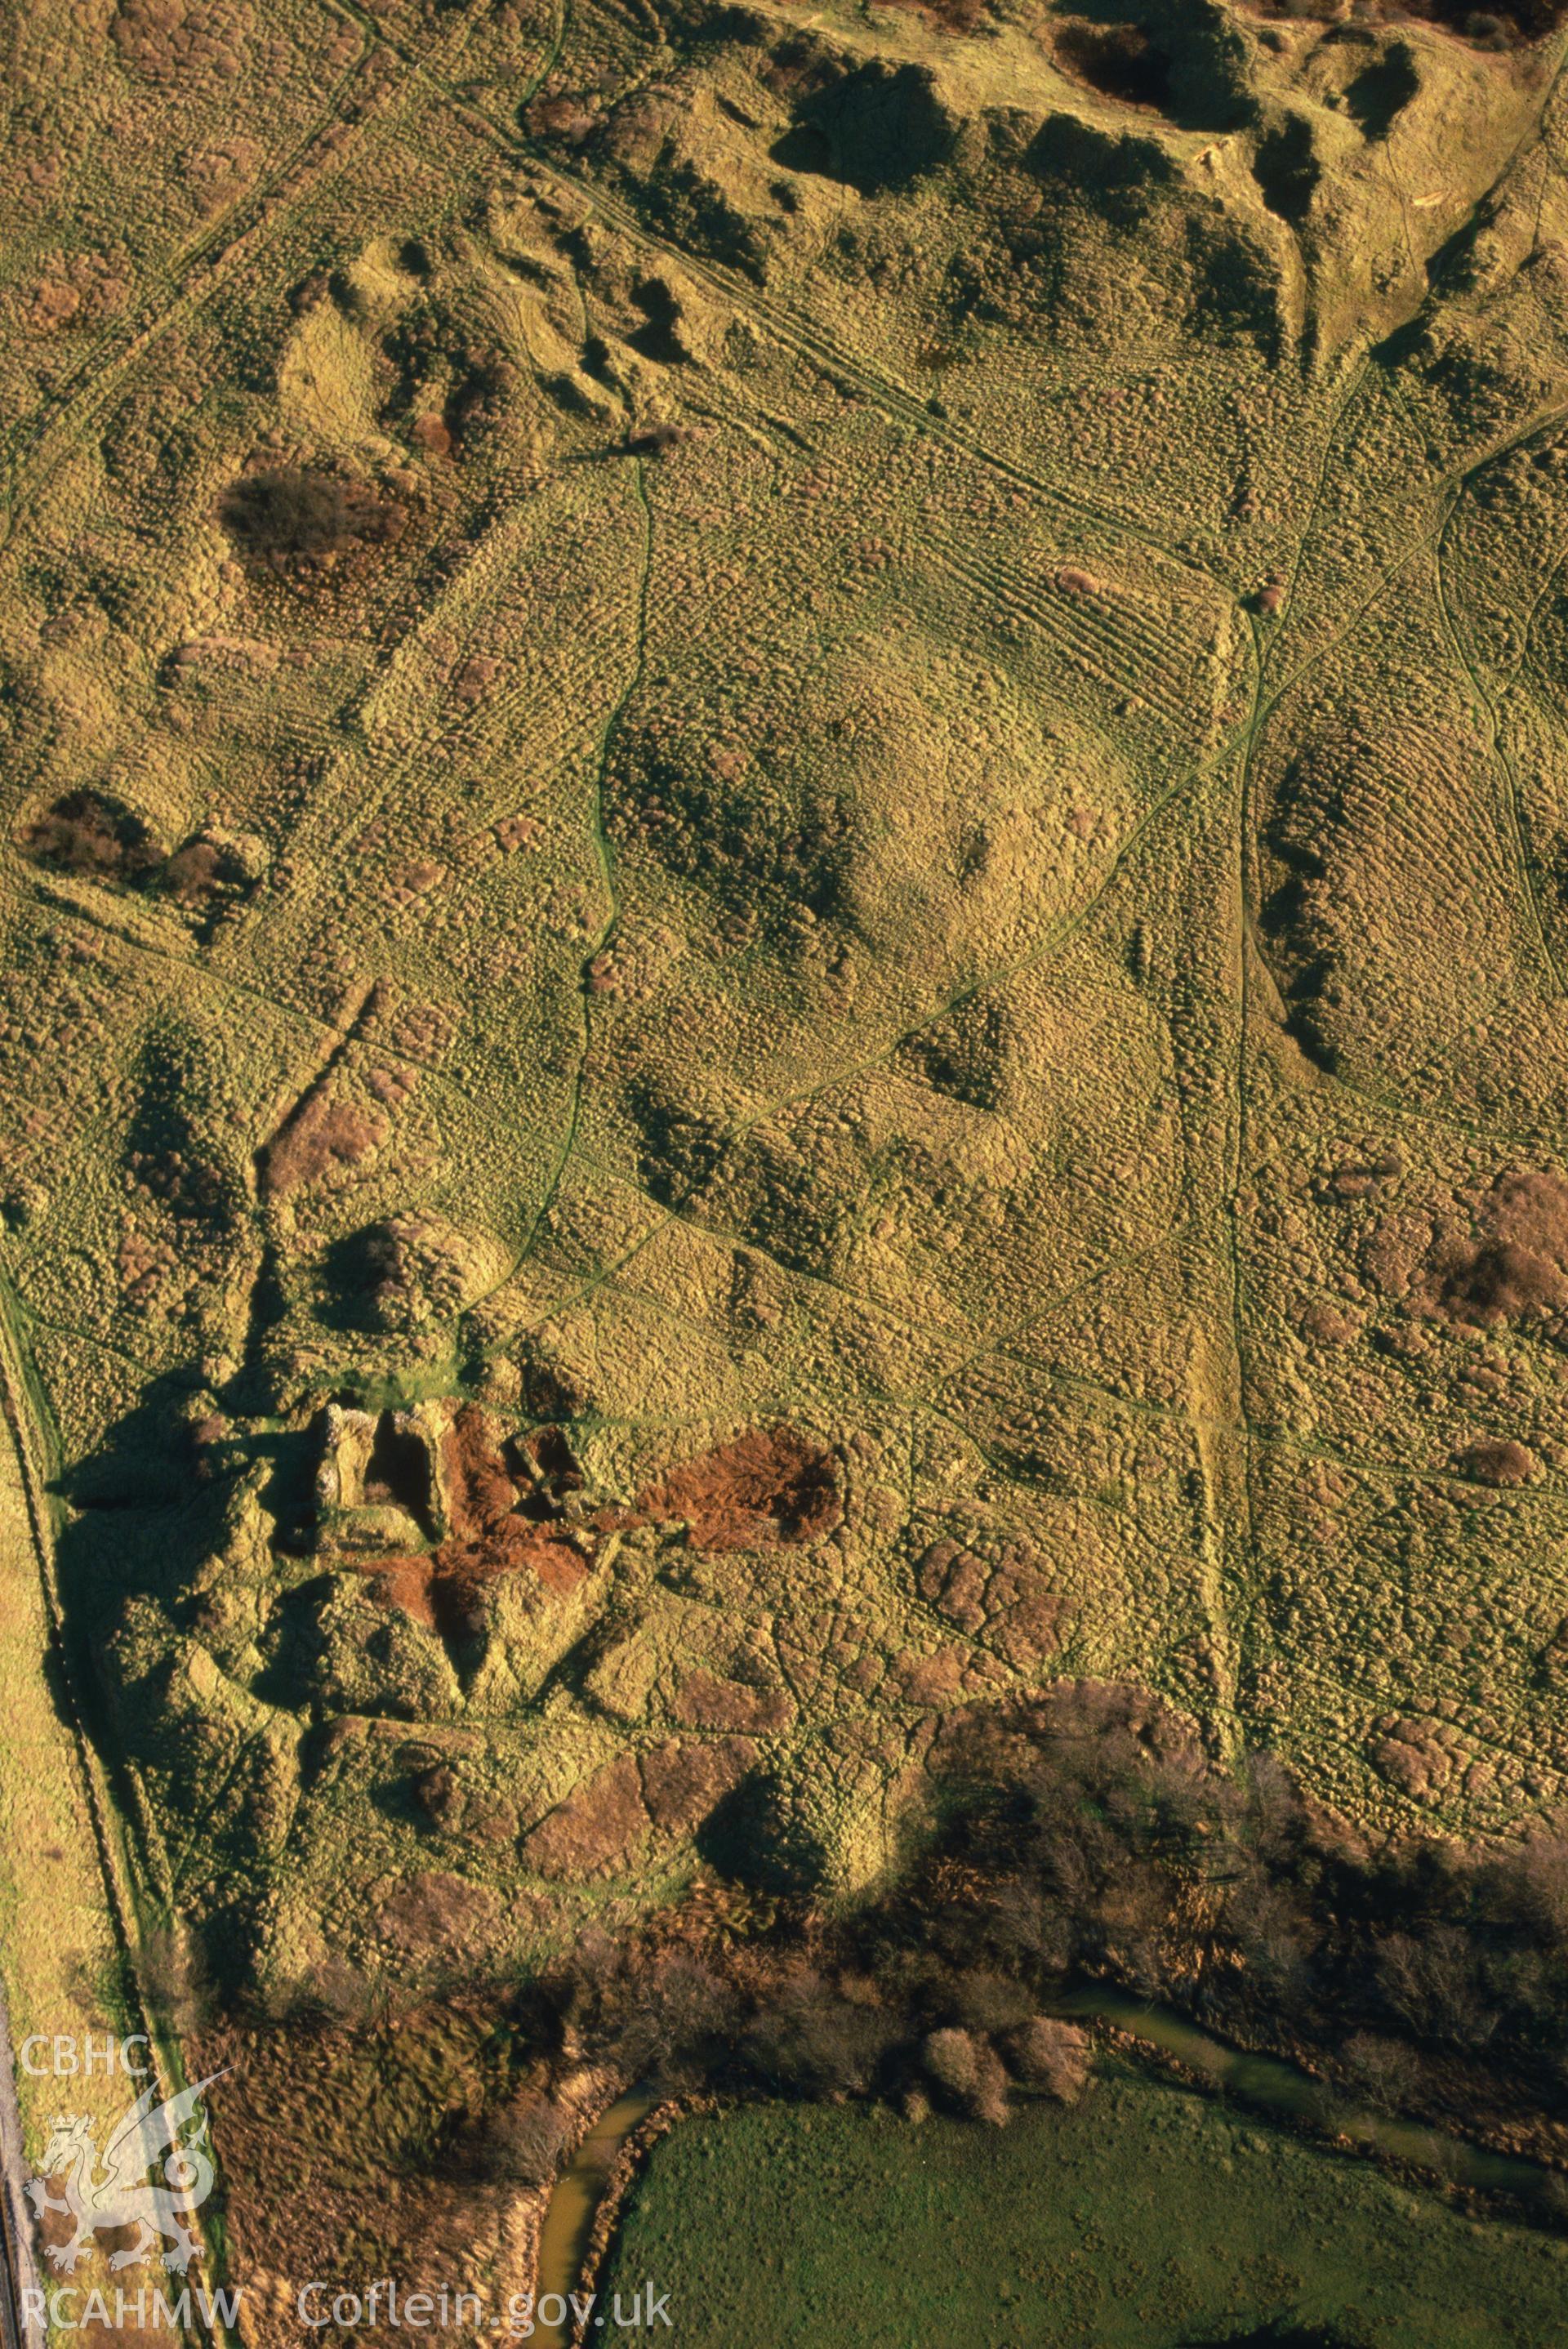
(86, 831)
(1508, 24)
(1008, 1602)
(502, 1515)
(704, 1701)
(483, 1492)
(436, 1912)
(669, 1790)
(685, 1781)
(1498, 1463)
(323, 1131)
(195, 872)
(772, 1485)
(1511, 1265)
(562, 115)
(405, 1583)
(182, 44)
(301, 523)
(600, 1823)
(951, 16)
(505, 1519)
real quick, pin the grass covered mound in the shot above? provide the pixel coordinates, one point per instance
(785, 930)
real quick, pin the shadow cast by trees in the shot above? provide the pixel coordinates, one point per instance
(141, 1571)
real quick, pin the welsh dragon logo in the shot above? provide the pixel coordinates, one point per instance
(113, 2191)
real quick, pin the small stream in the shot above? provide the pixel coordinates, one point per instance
(1274, 2085)
(569, 2216)
(1264, 2082)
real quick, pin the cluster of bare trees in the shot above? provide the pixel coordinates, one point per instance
(1090, 1850)
(1081, 1844)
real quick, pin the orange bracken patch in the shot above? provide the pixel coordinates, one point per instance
(772, 1485)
